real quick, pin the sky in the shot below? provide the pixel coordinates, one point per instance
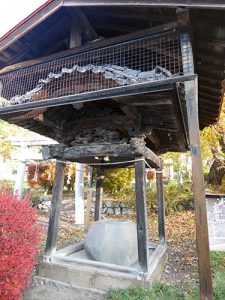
(14, 11)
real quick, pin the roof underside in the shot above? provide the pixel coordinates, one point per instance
(52, 35)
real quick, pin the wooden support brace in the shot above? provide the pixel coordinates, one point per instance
(55, 209)
(202, 240)
(161, 206)
(191, 97)
(140, 150)
(99, 194)
(142, 227)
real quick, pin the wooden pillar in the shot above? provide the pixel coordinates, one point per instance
(99, 194)
(191, 94)
(161, 205)
(88, 210)
(55, 209)
(142, 227)
(191, 97)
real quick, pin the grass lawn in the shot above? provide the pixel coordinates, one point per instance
(167, 291)
(180, 279)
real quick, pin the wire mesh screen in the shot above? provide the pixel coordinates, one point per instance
(132, 62)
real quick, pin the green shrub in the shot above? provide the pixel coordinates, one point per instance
(176, 198)
(118, 179)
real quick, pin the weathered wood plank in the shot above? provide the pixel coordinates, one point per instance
(132, 113)
(202, 241)
(154, 139)
(96, 150)
(161, 206)
(53, 225)
(136, 148)
(142, 228)
(151, 158)
(140, 150)
(88, 210)
(99, 193)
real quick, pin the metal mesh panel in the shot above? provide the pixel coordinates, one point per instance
(135, 61)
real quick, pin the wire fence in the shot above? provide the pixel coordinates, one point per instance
(139, 60)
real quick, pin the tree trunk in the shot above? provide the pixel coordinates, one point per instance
(216, 172)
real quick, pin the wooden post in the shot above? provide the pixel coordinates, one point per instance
(161, 206)
(99, 194)
(191, 95)
(88, 210)
(142, 228)
(55, 209)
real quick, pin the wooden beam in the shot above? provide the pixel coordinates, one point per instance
(93, 122)
(75, 33)
(191, 90)
(37, 41)
(152, 103)
(208, 57)
(85, 24)
(142, 228)
(116, 27)
(132, 113)
(140, 150)
(208, 90)
(153, 138)
(53, 225)
(147, 16)
(213, 4)
(202, 241)
(212, 43)
(209, 97)
(161, 205)
(99, 194)
(136, 148)
(210, 81)
(87, 151)
(213, 71)
(151, 158)
(88, 210)
(180, 119)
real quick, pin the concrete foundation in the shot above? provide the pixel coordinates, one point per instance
(72, 266)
